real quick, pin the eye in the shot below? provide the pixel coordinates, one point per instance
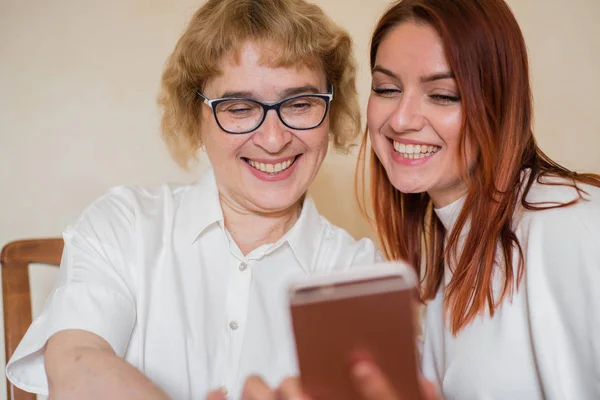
(299, 105)
(302, 104)
(239, 110)
(386, 92)
(237, 107)
(445, 99)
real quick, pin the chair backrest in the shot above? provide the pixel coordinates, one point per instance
(15, 258)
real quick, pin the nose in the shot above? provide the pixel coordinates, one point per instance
(273, 136)
(408, 115)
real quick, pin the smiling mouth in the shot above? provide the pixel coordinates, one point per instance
(271, 169)
(415, 151)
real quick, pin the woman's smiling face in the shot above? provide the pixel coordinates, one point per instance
(269, 169)
(415, 114)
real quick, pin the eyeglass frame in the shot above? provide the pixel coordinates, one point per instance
(328, 97)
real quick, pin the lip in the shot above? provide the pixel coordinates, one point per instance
(410, 141)
(265, 176)
(271, 160)
(407, 161)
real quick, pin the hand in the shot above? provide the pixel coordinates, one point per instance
(216, 395)
(256, 389)
(369, 380)
(374, 385)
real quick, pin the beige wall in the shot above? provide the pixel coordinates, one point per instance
(77, 102)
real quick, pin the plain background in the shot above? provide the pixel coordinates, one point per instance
(78, 82)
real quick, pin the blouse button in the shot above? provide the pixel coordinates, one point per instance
(243, 266)
(233, 325)
(224, 390)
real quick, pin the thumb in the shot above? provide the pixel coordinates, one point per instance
(216, 395)
(371, 382)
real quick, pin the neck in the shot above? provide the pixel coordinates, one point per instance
(251, 229)
(441, 198)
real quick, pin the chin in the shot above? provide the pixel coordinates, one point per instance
(277, 200)
(407, 185)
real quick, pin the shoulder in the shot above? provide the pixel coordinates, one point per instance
(126, 208)
(581, 217)
(125, 202)
(562, 243)
(550, 189)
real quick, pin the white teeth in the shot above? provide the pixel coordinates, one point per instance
(272, 168)
(416, 151)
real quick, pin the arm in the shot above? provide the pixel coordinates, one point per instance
(82, 365)
(78, 343)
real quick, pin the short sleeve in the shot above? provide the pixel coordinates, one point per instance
(93, 291)
(563, 285)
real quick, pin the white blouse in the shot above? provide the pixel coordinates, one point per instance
(155, 273)
(545, 343)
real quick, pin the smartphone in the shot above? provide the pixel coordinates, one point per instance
(340, 318)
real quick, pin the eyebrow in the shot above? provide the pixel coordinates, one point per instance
(437, 77)
(424, 79)
(282, 95)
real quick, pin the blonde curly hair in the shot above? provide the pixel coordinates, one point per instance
(305, 36)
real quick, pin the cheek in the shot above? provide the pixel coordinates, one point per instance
(380, 143)
(448, 124)
(318, 139)
(206, 120)
(220, 147)
(373, 115)
(376, 117)
(381, 149)
(206, 133)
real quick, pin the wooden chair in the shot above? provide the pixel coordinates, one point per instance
(15, 259)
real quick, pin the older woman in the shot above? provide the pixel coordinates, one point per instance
(175, 291)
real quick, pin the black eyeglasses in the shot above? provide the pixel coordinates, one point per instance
(241, 115)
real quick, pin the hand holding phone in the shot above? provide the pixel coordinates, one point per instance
(344, 318)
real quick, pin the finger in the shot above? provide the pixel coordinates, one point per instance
(256, 389)
(371, 383)
(216, 395)
(429, 390)
(290, 389)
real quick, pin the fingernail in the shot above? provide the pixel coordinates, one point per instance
(362, 370)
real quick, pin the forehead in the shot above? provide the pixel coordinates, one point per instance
(256, 67)
(412, 46)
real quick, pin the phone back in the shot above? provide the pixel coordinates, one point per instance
(337, 323)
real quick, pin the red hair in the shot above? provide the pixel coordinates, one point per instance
(486, 51)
